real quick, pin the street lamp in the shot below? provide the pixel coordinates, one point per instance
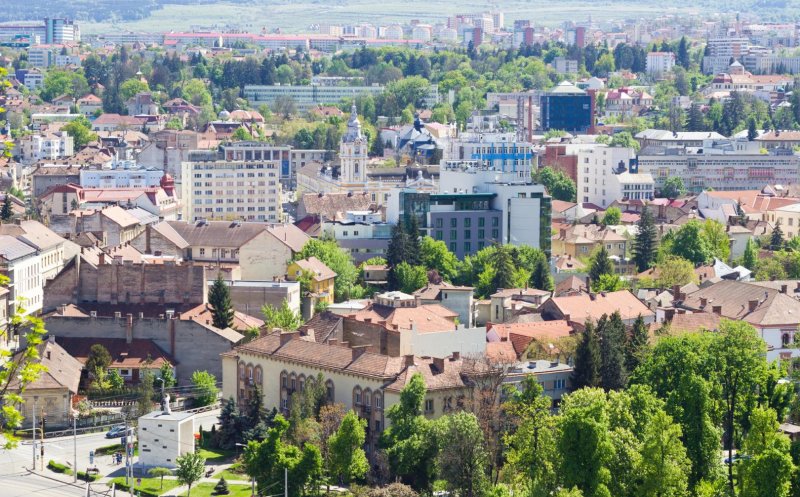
(44, 422)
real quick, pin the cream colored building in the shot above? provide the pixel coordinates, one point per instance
(368, 383)
(228, 190)
(789, 217)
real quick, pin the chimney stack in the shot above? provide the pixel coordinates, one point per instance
(456, 356)
(438, 363)
(287, 336)
(409, 359)
(717, 309)
(358, 350)
(784, 288)
(703, 302)
(752, 305)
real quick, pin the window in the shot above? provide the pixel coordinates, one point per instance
(560, 384)
(202, 251)
(467, 247)
(453, 247)
(496, 234)
(481, 222)
(357, 396)
(439, 222)
(495, 221)
(378, 401)
(377, 425)
(467, 234)
(428, 406)
(467, 222)
(453, 222)
(453, 234)
(241, 371)
(439, 235)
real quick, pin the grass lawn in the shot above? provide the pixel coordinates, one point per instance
(207, 489)
(150, 486)
(216, 456)
(234, 473)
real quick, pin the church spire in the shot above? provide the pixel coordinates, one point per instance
(353, 126)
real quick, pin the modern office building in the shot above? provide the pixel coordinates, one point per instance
(290, 159)
(499, 151)
(567, 108)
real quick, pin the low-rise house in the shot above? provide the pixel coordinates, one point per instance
(508, 302)
(53, 391)
(577, 309)
(130, 359)
(458, 299)
(321, 278)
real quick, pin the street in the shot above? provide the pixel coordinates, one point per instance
(14, 464)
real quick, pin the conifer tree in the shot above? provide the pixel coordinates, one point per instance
(646, 242)
(636, 344)
(6, 213)
(503, 268)
(219, 298)
(750, 256)
(776, 239)
(601, 264)
(586, 372)
(541, 278)
(612, 357)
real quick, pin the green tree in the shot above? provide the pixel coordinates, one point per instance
(80, 130)
(115, 379)
(674, 270)
(612, 216)
(750, 256)
(204, 385)
(329, 252)
(540, 276)
(769, 469)
(219, 298)
(282, 317)
(167, 375)
(99, 358)
(408, 441)
(435, 255)
(503, 268)
(752, 131)
(196, 93)
(5, 212)
(613, 375)
(129, 88)
(776, 238)
(608, 283)
(159, 472)
(624, 139)
(221, 488)
(189, 469)
(717, 239)
(144, 401)
(645, 244)
(584, 443)
(410, 278)
(347, 459)
(740, 352)
(673, 187)
(462, 457)
(600, 264)
(558, 184)
(637, 344)
(229, 429)
(586, 371)
(531, 440)
(682, 57)
(690, 244)
(664, 464)
(241, 134)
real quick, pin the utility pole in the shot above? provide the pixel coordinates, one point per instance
(44, 417)
(285, 482)
(33, 431)
(74, 448)
(125, 447)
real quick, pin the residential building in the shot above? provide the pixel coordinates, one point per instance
(47, 146)
(291, 159)
(121, 174)
(580, 241)
(770, 307)
(230, 189)
(52, 392)
(363, 234)
(660, 63)
(321, 278)
(498, 151)
(22, 264)
(577, 309)
(627, 102)
(51, 248)
(606, 174)
(260, 250)
(132, 360)
(562, 65)
(458, 299)
(506, 303)
(720, 165)
(248, 296)
(89, 104)
(672, 139)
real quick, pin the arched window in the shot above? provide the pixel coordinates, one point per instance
(357, 396)
(284, 379)
(378, 400)
(241, 370)
(329, 390)
(301, 382)
(259, 377)
(786, 339)
(367, 397)
(250, 372)
(293, 382)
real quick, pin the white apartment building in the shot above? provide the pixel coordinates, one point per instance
(290, 159)
(660, 63)
(499, 151)
(604, 175)
(22, 264)
(723, 165)
(229, 190)
(563, 65)
(48, 146)
(123, 174)
(306, 97)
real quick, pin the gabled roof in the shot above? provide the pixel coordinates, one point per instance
(217, 233)
(12, 249)
(61, 370)
(319, 271)
(33, 233)
(139, 353)
(771, 306)
(581, 307)
(290, 235)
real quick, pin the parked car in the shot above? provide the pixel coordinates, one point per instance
(116, 431)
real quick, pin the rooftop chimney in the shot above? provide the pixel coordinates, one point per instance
(438, 364)
(703, 302)
(358, 350)
(752, 305)
(784, 288)
(409, 359)
(287, 336)
(717, 309)
(456, 356)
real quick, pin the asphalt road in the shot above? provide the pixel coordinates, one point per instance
(14, 464)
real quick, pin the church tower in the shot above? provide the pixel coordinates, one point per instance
(353, 152)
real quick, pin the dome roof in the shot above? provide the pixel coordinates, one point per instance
(224, 115)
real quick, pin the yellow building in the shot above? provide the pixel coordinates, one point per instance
(321, 285)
